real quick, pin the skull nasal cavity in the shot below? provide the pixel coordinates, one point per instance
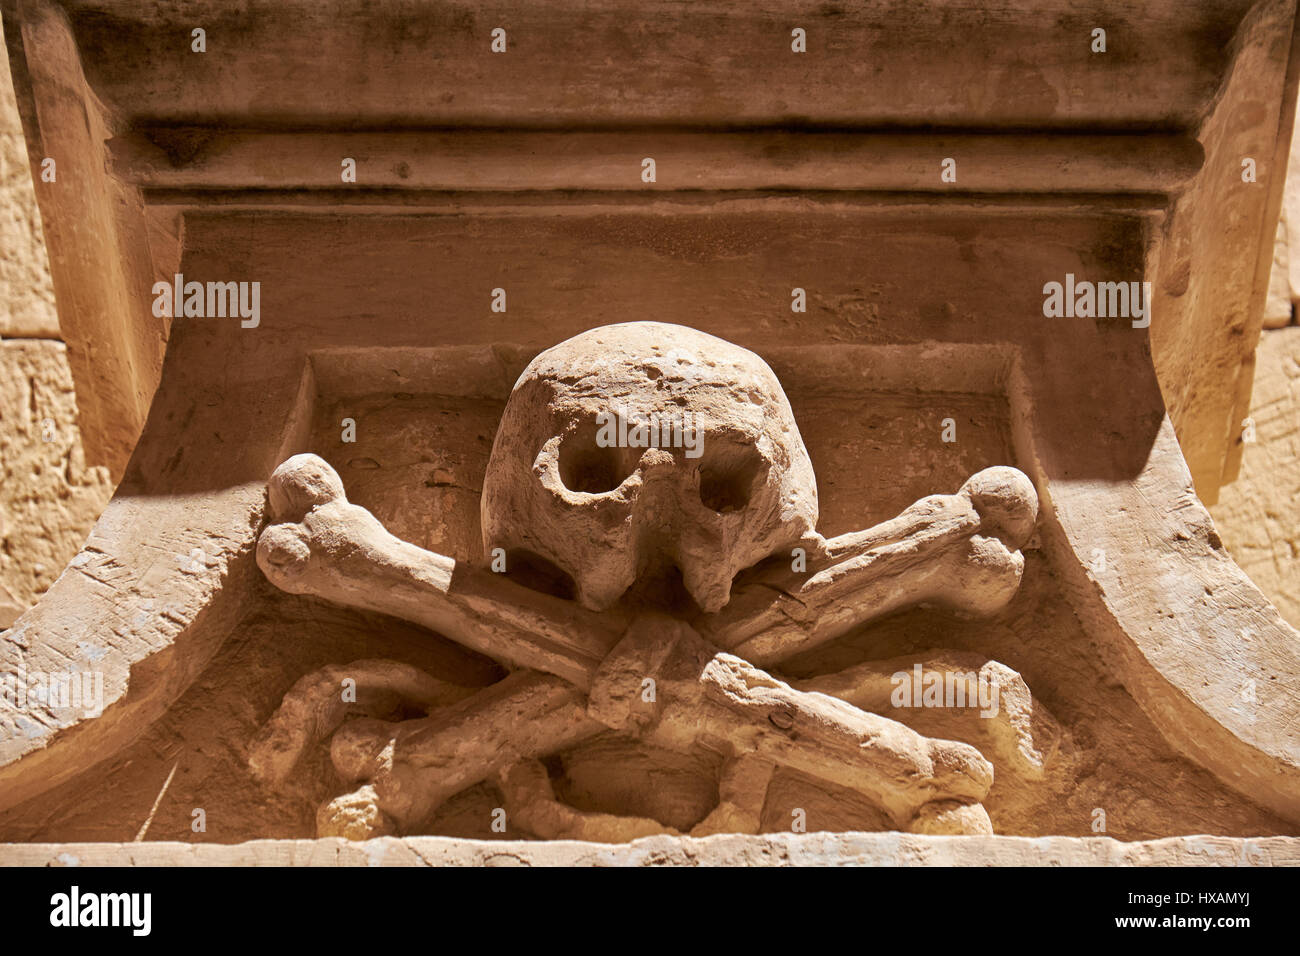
(729, 475)
(586, 466)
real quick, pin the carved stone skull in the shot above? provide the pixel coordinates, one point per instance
(632, 449)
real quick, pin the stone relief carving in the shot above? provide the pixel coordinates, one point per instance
(651, 594)
(620, 602)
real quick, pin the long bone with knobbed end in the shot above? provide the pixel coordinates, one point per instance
(325, 546)
(959, 551)
(328, 547)
(702, 698)
(943, 549)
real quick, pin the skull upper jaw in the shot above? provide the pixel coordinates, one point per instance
(669, 515)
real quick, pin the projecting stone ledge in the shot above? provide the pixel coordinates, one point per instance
(781, 849)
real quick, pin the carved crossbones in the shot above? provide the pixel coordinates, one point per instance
(736, 527)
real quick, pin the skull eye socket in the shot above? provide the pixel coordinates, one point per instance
(729, 474)
(586, 466)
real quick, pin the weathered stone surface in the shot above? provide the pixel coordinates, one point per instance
(97, 241)
(1210, 271)
(1284, 278)
(1258, 515)
(1290, 214)
(774, 849)
(998, 490)
(49, 497)
(1278, 307)
(26, 293)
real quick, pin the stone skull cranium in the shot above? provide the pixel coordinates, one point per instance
(738, 487)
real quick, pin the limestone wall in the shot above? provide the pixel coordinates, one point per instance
(48, 497)
(1258, 515)
(1284, 280)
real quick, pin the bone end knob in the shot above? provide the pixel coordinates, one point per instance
(300, 484)
(1006, 501)
(952, 818)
